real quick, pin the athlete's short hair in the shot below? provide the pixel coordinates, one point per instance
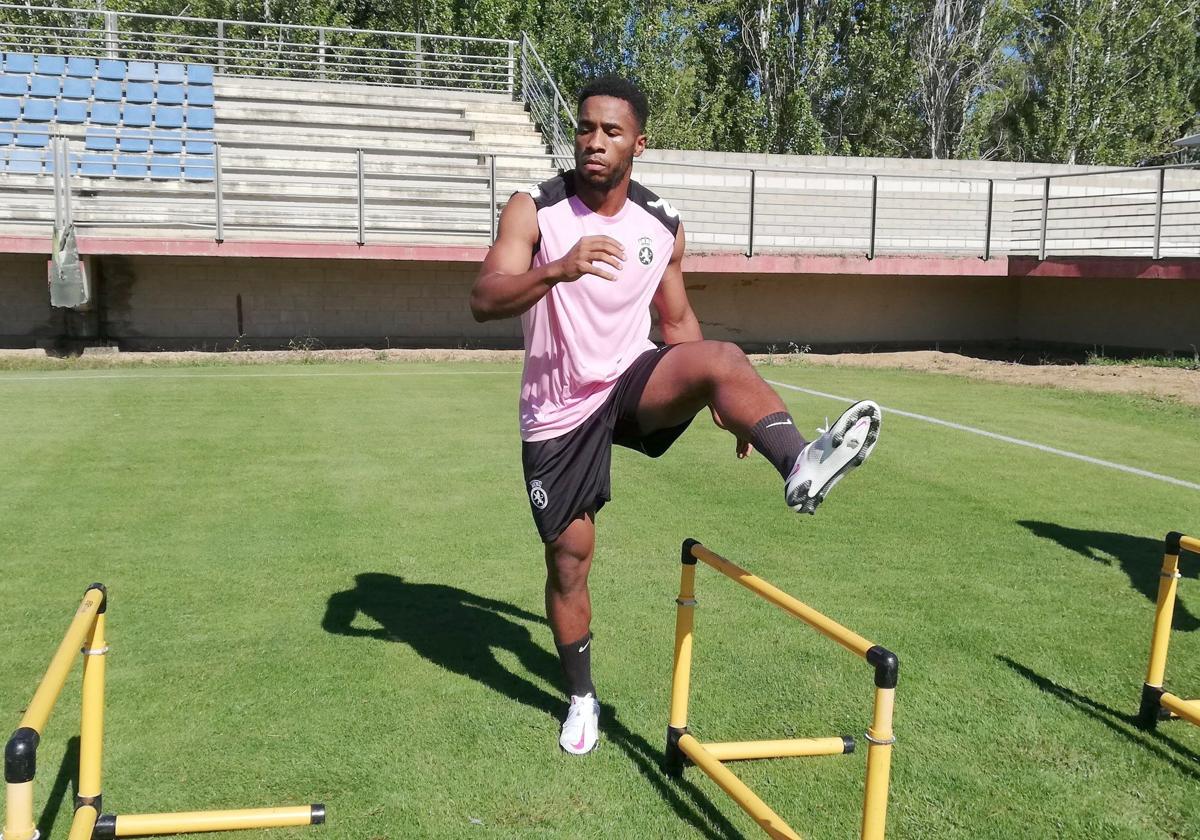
(620, 88)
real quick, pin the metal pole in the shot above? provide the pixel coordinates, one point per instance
(362, 203)
(750, 234)
(1158, 205)
(55, 147)
(987, 233)
(492, 185)
(68, 210)
(217, 192)
(111, 46)
(420, 63)
(511, 69)
(321, 51)
(221, 45)
(874, 208)
(1045, 217)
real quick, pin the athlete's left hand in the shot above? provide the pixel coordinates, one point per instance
(744, 447)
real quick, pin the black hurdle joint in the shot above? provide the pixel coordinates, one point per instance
(887, 666)
(847, 744)
(1151, 711)
(686, 554)
(673, 758)
(103, 590)
(1171, 543)
(106, 827)
(318, 814)
(96, 802)
(20, 756)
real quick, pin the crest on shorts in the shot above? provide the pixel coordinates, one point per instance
(537, 495)
(645, 252)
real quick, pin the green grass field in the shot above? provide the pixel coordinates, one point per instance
(325, 586)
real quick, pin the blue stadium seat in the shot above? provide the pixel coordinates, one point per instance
(133, 140)
(199, 74)
(13, 85)
(131, 166)
(137, 116)
(201, 118)
(169, 94)
(72, 113)
(25, 161)
(141, 71)
(10, 109)
(77, 88)
(108, 91)
(200, 95)
(47, 87)
(18, 63)
(37, 139)
(168, 117)
(165, 166)
(81, 68)
(170, 72)
(39, 110)
(51, 65)
(112, 70)
(201, 170)
(170, 142)
(6, 135)
(100, 140)
(198, 142)
(96, 166)
(140, 93)
(106, 113)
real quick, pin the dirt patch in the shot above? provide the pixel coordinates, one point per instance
(1164, 383)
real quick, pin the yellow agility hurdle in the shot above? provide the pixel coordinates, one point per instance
(86, 635)
(683, 748)
(1158, 704)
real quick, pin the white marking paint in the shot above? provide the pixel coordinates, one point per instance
(1087, 459)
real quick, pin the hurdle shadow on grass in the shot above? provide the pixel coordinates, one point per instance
(458, 630)
(1123, 724)
(67, 778)
(1139, 557)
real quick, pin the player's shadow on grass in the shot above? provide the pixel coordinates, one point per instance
(1139, 557)
(1124, 724)
(458, 630)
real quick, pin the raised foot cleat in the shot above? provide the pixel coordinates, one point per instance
(581, 729)
(841, 447)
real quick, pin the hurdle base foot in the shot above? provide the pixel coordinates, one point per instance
(1151, 710)
(673, 758)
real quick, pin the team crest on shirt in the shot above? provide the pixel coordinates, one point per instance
(645, 252)
(537, 495)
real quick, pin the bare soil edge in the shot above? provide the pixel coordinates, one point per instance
(1172, 384)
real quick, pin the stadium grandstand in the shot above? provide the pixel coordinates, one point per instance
(260, 183)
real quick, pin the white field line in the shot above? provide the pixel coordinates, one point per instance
(73, 377)
(1087, 459)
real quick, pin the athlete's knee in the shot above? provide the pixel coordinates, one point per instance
(567, 567)
(727, 359)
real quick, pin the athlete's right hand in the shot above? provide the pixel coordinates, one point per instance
(581, 259)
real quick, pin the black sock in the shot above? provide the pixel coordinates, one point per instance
(778, 439)
(576, 659)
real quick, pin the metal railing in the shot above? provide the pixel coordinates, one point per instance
(546, 105)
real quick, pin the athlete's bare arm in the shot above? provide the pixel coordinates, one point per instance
(507, 286)
(676, 320)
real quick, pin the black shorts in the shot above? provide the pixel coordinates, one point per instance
(568, 476)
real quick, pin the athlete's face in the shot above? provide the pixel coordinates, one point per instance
(606, 142)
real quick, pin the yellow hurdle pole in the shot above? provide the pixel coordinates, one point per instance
(823, 624)
(1164, 611)
(1189, 710)
(84, 823)
(91, 738)
(879, 762)
(1192, 544)
(681, 674)
(189, 822)
(790, 748)
(767, 819)
(20, 754)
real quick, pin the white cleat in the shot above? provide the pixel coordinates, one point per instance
(839, 449)
(581, 729)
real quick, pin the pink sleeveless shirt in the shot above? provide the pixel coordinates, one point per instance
(581, 336)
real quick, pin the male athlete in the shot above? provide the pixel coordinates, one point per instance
(582, 258)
